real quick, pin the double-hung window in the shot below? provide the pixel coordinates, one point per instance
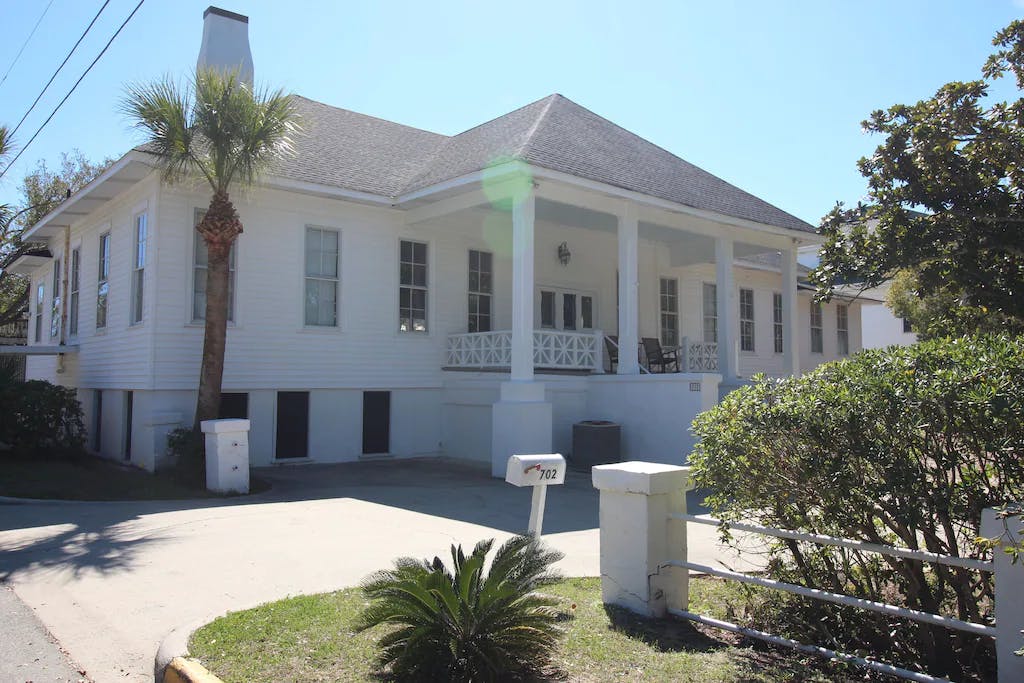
(55, 300)
(669, 311)
(842, 329)
(481, 288)
(746, 320)
(103, 281)
(138, 269)
(322, 252)
(200, 262)
(74, 285)
(412, 286)
(777, 321)
(709, 297)
(40, 298)
(817, 335)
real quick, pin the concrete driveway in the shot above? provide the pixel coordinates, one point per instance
(110, 580)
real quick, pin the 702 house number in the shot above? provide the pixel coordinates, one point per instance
(547, 473)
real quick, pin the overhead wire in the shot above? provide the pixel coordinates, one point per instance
(50, 82)
(23, 45)
(65, 99)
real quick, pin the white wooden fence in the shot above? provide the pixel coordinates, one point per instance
(552, 349)
(644, 566)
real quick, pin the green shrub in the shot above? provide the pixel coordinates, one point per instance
(902, 446)
(461, 625)
(188, 447)
(40, 419)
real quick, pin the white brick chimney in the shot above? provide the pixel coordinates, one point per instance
(226, 42)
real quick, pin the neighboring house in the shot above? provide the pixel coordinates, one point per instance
(399, 292)
(881, 327)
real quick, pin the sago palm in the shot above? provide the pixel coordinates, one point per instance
(463, 625)
(219, 128)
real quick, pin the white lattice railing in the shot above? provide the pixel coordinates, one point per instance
(554, 349)
(699, 356)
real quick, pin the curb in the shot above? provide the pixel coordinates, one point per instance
(182, 670)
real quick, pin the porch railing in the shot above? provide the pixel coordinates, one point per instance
(552, 349)
(698, 356)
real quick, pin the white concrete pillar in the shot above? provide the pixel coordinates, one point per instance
(727, 313)
(227, 455)
(790, 331)
(629, 297)
(638, 538)
(520, 424)
(523, 211)
(1009, 587)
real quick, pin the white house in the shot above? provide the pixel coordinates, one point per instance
(400, 292)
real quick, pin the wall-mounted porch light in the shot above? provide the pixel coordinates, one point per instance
(564, 255)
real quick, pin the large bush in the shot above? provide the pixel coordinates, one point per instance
(40, 419)
(463, 624)
(902, 446)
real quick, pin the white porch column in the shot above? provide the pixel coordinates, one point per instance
(629, 281)
(523, 211)
(790, 326)
(726, 310)
(521, 418)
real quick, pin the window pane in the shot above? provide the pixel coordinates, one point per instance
(419, 275)
(587, 312)
(419, 253)
(485, 305)
(547, 309)
(568, 311)
(474, 281)
(405, 274)
(419, 298)
(485, 282)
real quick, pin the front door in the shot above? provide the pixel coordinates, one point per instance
(565, 309)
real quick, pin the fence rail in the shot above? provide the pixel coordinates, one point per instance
(552, 349)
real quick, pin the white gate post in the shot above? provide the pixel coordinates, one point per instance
(637, 537)
(1009, 587)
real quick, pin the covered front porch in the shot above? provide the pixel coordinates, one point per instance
(565, 278)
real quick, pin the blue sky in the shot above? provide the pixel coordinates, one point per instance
(767, 95)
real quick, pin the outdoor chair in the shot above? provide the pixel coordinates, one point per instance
(611, 347)
(666, 360)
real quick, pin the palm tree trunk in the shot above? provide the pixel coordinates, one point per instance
(219, 228)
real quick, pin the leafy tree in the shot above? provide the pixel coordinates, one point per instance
(899, 446)
(221, 129)
(463, 625)
(41, 191)
(947, 189)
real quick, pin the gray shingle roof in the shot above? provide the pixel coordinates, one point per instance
(345, 149)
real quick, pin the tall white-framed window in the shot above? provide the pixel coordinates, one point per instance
(412, 286)
(817, 331)
(669, 304)
(138, 269)
(73, 290)
(322, 255)
(481, 289)
(709, 305)
(40, 298)
(586, 312)
(200, 261)
(547, 309)
(843, 329)
(103, 281)
(777, 322)
(746, 319)
(55, 299)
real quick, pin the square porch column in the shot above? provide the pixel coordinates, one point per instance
(725, 297)
(629, 281)
(521, 418)
(790, 326)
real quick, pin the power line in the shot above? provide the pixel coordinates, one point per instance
(61, 103)
(50, 82)
(38, 21)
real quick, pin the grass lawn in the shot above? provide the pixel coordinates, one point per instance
(90, 478)
(309, 638)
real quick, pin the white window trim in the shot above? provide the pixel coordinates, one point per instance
(820, 327)
(490, 295)
(396, 292)
(338, 291)
(75, 292)
(752, 320)
(100, 280)
(704, 316)
(841, 331)
(37, 319)
(662, 311)
(777, 324)
(190, 320)
(135, 269)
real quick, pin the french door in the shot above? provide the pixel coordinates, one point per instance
(565, 309)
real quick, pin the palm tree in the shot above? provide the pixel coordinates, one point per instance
(462, 625)
(223, 130)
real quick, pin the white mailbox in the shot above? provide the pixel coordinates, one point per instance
(537, 471)
(533, 470)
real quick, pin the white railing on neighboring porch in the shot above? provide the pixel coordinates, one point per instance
(697, 356)
(553, 349)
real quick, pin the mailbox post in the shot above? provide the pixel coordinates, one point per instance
(538, 471)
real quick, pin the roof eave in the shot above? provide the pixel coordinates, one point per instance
(126, 171)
